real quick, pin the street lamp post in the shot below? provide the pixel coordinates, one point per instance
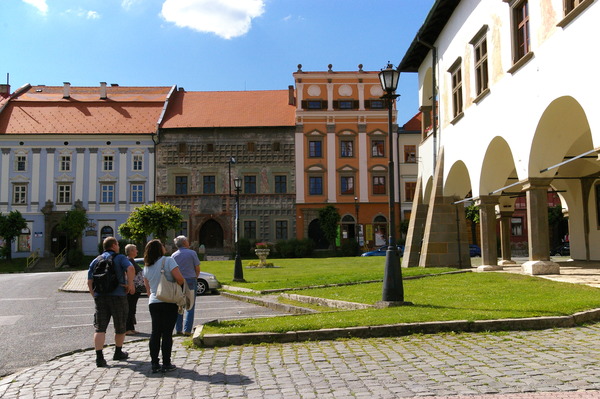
(238, 271)
(231, 160)
(393, 291)
(357, 220)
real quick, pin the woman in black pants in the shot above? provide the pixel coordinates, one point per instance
(132, 299)
(164, 315)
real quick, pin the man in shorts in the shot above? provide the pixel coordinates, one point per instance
(112, 304)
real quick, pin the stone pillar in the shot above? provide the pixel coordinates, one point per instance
(487, 223)
(537, 228)
(505, 234)
(416, 227)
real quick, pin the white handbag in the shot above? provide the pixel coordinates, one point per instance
(169, 291)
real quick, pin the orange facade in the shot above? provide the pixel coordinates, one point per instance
(342, 152)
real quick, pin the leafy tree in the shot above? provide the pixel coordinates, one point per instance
(74, 222)
(472, 213)
(329, 217)
(10, 228)
(153, 219)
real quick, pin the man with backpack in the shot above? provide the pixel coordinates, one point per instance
(110, 279)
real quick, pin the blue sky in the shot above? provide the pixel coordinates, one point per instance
(204, 44)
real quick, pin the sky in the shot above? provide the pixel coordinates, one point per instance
(205, 45)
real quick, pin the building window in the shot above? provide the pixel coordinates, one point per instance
(347, 148)
(138, 162)
(251, 146)
(20, 194)
(280, 184)
(250, 229)
(107, 193)
(281, 230)
(250, 184)
(347, 185)
(457, 96)
(379, 185)
(315, 185)
(314, 104)
(375, 104)
(24, 240)
(65, 163)
(181, 185)
(21, 163)
(64, 194)
(315, 149)
(345, 104)
(521, 35)
(107, 163)
(570, 5)
(516, 226)
(481, 65)
(137, 193)
(209, 185)
(276, 146)
(210, 147)
(410, 153)
(409, 190)
(105, 232)
(377, 148)
(183, 229)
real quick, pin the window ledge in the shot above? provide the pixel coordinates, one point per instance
(482, 95)
(524, 60)
(574, 13)
(457, 118)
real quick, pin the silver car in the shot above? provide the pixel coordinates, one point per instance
(207, 282)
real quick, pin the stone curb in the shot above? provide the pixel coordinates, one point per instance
(396, 330)
(281, 307)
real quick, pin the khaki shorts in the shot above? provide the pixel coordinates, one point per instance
(108, 306)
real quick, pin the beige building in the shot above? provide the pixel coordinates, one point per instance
(512, 88)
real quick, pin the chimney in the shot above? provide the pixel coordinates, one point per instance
(4, 90)
(103, 95)
(291, 97)
(67, 90)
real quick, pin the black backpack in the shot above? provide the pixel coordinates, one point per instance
(104, 276)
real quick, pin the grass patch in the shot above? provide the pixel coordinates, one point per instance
(466, 296)
(306, 272)
(17, 265)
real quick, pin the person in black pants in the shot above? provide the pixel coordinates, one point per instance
(163, 315)
(131, 252)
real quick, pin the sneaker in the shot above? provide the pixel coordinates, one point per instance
(187, 334)
(156, 368)
(101, 363)
(178, 333)
(120, 356)
(169, 367)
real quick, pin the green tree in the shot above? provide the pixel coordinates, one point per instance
(329, 217)
(153, 219)
(73, 224)
(472, 214)
(10, 228)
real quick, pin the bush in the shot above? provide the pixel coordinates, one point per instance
(304, 248)
(350, 248)
(285, 248)
(75, 257)
(245, 247)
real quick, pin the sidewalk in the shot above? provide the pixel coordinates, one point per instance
(551, 363)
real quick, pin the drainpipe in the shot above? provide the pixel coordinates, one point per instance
(433, 96)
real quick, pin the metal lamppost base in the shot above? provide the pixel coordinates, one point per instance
(238, 271)
(393, 291)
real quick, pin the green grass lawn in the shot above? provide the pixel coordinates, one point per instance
(305, 272)
(463, 296)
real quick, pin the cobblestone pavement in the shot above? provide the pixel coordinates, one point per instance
(533, 364)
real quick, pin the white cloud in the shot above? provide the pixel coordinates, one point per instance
(81, 13)
(39, 4)
(225, 18)
(92, 15)
(127, 4)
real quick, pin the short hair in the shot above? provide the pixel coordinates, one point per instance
(129, 248)
(179, 240)
(109, 242)
(152, 252)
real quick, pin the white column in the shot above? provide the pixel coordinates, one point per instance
(35, 179)
(79, 174)
(299, 88)
(361, 96)
(331, 172)
(50, 174)
(363, 173)
(329, 96)
(300, 180)
(4, 182)
(93, 179)
(123, 168)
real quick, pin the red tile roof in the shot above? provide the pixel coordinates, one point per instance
(229, 109)
(415, 123)
(43, 110)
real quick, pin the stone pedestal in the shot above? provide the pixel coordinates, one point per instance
(538, 267)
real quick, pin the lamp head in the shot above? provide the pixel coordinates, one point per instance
(389, 78)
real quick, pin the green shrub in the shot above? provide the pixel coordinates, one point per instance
(245, 247)
(304, 248)
(75, 257)
(284, 248)
(350, 248)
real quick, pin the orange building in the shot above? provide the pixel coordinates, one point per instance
(342, 154)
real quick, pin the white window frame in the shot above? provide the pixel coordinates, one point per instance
(107, 190)
(64, 194)
(19, 194)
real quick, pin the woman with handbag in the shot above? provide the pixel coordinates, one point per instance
(163, 314)
(131, 252)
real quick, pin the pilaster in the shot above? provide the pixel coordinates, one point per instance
(487, 223)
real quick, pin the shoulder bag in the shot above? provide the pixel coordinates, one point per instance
(169, 291)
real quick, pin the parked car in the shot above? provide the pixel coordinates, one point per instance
(382, 250)
(207, 282)
(474, 250)
(563, 249)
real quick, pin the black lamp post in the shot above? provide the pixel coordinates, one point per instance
(238, 271)
(357, 220)
(393, 291)
(231, 160)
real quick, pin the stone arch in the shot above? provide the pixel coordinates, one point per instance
(498, 168)
(458, 182)
(427, 190)
(211, 234)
